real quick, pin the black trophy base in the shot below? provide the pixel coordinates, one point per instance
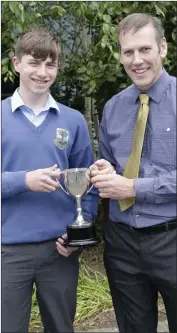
(82, 235)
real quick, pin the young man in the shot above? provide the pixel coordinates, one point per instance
(39, 135)
(138, 138)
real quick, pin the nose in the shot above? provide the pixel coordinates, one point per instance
(41, 70)
(137, 59)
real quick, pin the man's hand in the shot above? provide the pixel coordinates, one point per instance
(103, 167)
(92, 168)
(114, 186)
(99, 167)
(63, 249)
(43, 180)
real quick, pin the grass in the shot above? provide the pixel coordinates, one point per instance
(93, 293)
(35, 320)
(93, 296)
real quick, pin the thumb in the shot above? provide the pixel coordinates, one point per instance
(101, 162)
(64, 237)
(53, 167)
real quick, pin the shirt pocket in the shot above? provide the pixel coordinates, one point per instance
(163, 147)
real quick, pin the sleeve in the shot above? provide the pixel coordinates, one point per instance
(105, 150)
(160, 189)
(82, 157)
(13, 183)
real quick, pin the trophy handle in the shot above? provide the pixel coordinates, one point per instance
(92, 167)
(90, 188)
(62, 172)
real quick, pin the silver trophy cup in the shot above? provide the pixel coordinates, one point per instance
(80, 232)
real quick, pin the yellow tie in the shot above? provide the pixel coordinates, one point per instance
(132, 166)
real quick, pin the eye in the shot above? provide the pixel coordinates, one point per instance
(51, 65)
(128, 52)
(145, 49)
(33, 64)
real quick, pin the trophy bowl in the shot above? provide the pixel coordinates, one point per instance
(80, 232)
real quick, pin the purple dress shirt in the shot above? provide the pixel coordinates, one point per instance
(156, 185)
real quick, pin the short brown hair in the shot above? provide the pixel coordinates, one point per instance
(136, 21)
(38, 42)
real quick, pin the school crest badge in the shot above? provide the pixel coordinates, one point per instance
(62, 138)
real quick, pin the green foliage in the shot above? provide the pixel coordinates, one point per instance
(87, 30)
(93, 294)
(35, 319)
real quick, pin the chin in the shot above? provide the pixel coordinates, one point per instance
(40, 91)
(143, 85)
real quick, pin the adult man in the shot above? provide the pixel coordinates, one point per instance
(137, 137)
(38, 135)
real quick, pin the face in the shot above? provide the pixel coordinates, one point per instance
(36, 76)
(142, 57)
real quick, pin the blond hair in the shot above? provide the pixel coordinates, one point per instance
(136, 21)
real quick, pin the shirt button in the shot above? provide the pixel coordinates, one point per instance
(137, 215)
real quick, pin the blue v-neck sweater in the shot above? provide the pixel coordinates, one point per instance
(35, 216)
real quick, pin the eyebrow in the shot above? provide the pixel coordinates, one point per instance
(33, 59)
(52, 62)
(39, 60)
(139, 48)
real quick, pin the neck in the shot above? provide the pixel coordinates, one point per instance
(36, 102)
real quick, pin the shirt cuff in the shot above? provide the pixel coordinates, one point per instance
(144, 188)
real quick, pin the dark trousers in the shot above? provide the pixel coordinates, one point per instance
(138, 266)
(56, 280)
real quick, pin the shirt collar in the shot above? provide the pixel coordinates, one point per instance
(17, 101)
(156, 91)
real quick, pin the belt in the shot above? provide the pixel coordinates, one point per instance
(166, 226)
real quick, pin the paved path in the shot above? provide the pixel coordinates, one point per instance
(162, 327)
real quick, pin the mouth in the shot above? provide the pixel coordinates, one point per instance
(42, 82)
(140, 71)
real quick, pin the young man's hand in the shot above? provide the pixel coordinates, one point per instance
(63, 249)
(43, 180)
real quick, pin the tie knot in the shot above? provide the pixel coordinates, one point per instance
(144, 98)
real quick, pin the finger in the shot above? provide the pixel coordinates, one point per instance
(62, 249)
(48, 180)
(102, 172)
(61, 241)
(63, 238)
(53, 167)
(63, 253)
(102, 163)
(88, 174)
(102, 185)
(101, 177)
(53, 173)
(51, 182)
(49, 188)
(93, 170)
(46, 171)
(93, 167)
(72, 249)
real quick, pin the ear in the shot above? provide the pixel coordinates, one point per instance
(163, 48)
(16, 63)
